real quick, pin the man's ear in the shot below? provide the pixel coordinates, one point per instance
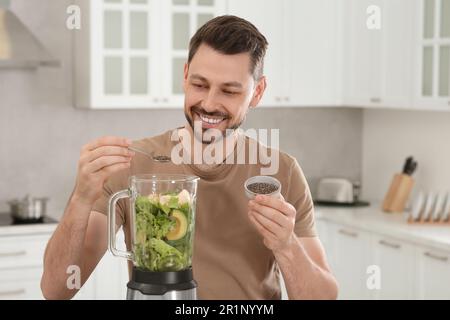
(185, 76)
(259, 92)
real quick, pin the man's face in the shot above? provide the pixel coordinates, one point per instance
(219, 89)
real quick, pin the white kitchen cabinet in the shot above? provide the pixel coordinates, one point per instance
(433, 276)
(351, 257)
(362, 55)
(109, 279)
(312, 46)
(20, 284)
(269, 22)
(378, 53)
(407, 270)
(301, 64)
(131, 53)
(323, 231)
(395, 260)
(21, 265)
(432, 39)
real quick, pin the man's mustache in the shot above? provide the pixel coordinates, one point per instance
(202, 111)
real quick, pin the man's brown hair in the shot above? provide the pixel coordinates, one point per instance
(232, 35)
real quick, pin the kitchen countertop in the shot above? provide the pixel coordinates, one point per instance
(9, 229)
(373, 219)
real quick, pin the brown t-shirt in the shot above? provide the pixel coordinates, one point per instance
(230, 260)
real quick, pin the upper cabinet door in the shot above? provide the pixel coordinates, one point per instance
(433, 78)
(313, 54)
(362, 34)
(182, 18)
(397, 52)
(268, 16)
(131, 53)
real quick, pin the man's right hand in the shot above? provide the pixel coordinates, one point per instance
(100, 159)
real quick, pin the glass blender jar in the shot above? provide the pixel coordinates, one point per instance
(162, 225)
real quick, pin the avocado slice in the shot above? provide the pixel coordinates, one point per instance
(180, 228)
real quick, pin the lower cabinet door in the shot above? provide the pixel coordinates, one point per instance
(433, 273)
(20, 284)
(393, 271)
(351, 259)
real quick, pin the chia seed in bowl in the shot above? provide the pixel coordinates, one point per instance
(262, 185)
(262, 188)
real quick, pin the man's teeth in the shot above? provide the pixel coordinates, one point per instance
(210, 120)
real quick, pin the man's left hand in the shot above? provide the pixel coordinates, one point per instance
(274, 218)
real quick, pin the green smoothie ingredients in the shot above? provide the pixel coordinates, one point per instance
(164, 231)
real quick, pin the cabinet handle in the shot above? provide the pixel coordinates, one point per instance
(278, 99)
(156, 100)
(436, 257)
(375, 100)
(287, 99)
(348, 233)
(389, 244)
(12, 292)
(165, 100)
(12, 254)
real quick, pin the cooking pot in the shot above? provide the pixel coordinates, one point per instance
(28, 209)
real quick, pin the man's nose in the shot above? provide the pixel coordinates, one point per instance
(210, 101)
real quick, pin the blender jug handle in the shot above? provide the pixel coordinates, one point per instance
(112, 224)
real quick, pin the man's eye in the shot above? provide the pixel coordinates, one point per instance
(198, 85)
(230, 93)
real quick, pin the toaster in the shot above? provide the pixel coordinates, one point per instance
(336, 190)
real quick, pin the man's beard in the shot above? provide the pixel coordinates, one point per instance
(227, 132)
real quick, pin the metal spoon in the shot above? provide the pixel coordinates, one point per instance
(154, 158)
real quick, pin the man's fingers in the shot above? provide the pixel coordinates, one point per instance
(275, 203)
(109, 151)
(106, 161)
(261, 228)
(107, 171)
(107, 141)
(268, 224)
(269, 213)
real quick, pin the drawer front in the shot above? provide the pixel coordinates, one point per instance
(22, 251)
(20, 284)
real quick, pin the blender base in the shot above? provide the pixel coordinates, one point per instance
(190, 294)
(173, 285)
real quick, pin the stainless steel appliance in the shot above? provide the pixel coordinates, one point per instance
(29, 209)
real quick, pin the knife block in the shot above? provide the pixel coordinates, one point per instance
(398, 193)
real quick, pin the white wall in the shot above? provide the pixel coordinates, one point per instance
(389, 137)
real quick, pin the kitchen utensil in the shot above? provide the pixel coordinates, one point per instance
(28, 209)
(410, 166)
(446, 212)
(428, 206)
(262, 180)
(158, 158)
(437, 210)
(400, 188)
(162, 222)
(417, 206)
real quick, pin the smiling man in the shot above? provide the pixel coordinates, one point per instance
(240, 246)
